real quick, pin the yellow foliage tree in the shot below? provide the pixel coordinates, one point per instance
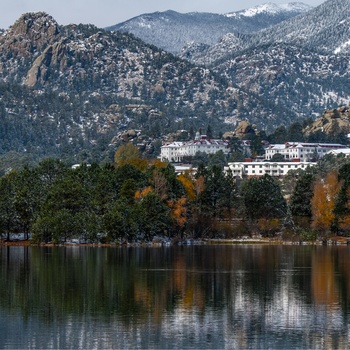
(158, 163)
(188, 185)
(141, 194)
(178, 211)
(130, 154)
(323, 202)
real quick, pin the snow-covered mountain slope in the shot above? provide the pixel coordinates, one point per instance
(326, 28)
(272, 9)
(171, 30)
(202, 54)
(68, 88)
(323, 29)
(84, 83)
(296, 78)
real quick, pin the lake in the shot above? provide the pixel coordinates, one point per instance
(183, 297)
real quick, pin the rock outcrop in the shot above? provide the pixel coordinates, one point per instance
(53, 56)
(243, 129)
(330, 121)
(32, 32)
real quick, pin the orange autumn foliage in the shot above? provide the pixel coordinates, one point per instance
(323, 202)
(178, 211)
(141, 194)
(324, 286)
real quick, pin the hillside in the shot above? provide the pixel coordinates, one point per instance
(301, 64)
(303, 81)
(77, 91)
(172, 31)
(323, 29)
(71, 91)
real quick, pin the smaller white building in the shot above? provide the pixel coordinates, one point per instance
(301, 150)
(255, 169)
(182, 169)
(344, 151)
(176, 151)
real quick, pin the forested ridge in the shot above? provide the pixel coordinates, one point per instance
(138, 200)
(70, 92)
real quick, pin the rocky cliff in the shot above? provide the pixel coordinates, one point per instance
(331, 121)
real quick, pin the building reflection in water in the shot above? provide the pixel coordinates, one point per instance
(197, 296)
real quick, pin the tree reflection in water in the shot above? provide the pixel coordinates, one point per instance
(224, 296)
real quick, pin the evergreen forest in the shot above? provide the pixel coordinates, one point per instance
(140, 200)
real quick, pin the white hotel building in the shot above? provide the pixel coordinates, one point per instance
(255, 169)
(301, 150)
(297, 155)
(176, 151)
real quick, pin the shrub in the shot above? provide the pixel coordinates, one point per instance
(268, 227)
(308, 235)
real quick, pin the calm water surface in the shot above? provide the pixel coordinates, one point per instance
(217, 297)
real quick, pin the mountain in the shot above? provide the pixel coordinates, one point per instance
(301, 80)
(77, 91)
(296, 64)
(201, 54)
(266, 11)
(73, 91)
(325, 28)
(171, 30)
